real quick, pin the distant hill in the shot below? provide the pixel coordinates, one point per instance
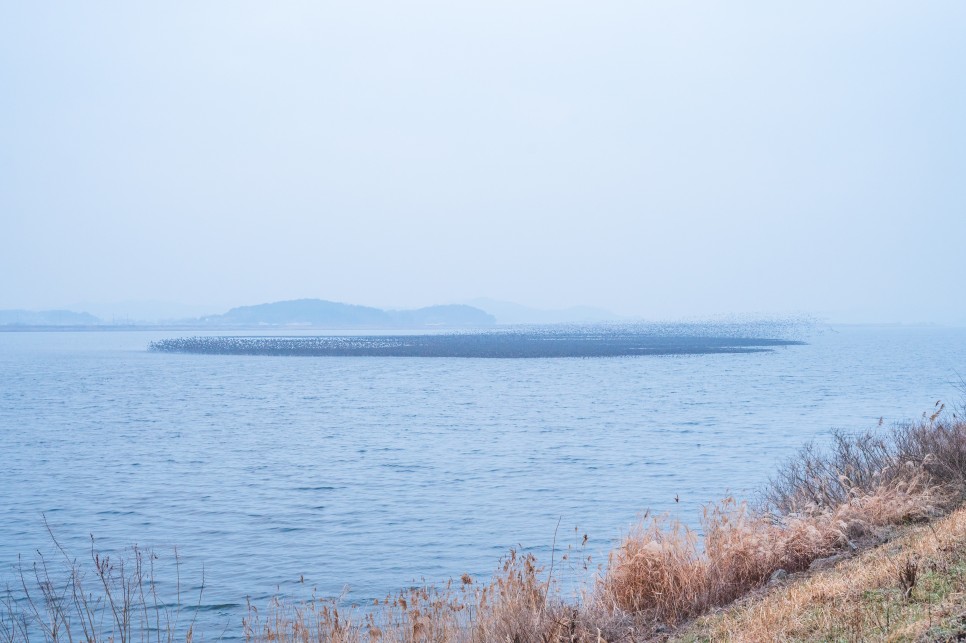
(46, 318)
(318, 312)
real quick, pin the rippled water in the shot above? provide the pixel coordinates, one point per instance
(372, 472)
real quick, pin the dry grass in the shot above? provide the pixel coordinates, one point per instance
(818, 504)
(418, 614)
(906, 589)
(517, 605)
(668, 571)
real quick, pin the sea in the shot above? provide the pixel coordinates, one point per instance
(253, 476)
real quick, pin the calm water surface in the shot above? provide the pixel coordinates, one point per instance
(372, 472)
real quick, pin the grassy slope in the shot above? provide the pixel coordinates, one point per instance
(868, 597)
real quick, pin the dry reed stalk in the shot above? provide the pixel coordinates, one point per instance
(658, 569)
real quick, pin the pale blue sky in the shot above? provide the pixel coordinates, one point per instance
(660, 159)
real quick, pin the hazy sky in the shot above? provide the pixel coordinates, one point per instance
(661, 159)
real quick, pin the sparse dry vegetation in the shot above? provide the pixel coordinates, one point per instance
(824, 506)
(666, 570)
(115, 598)
(911, 588)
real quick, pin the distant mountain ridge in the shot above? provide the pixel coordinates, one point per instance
(46, 318)
(319, 312)
(305, 312)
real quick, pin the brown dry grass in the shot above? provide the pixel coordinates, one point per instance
(517, 605)
(668, 571)
(906, 589)
(818, 502)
